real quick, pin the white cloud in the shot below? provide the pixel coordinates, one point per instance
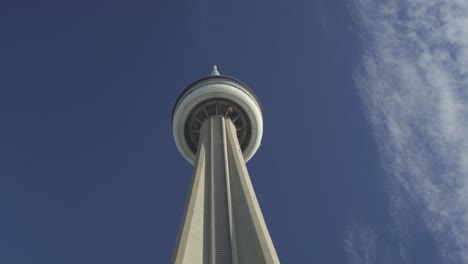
(360, 245)
(413, 81)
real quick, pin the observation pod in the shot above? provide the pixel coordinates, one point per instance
(211, 96)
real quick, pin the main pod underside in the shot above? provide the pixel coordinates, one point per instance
(217, 95)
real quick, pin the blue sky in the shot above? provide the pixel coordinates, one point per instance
(364, 157)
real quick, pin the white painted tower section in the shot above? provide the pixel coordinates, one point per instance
(222, 222)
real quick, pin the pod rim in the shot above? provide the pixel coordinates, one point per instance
(242, 86)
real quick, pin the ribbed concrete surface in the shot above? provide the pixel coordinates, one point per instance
(222, 223)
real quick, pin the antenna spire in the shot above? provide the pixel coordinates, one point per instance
(215, 70)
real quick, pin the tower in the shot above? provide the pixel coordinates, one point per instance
(218, 125)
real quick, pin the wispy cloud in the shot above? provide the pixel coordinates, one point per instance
(360, 244)
(413, 81)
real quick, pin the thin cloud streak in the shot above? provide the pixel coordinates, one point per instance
(360, 245)
(413, 81)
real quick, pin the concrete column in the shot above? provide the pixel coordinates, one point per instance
(222, 222)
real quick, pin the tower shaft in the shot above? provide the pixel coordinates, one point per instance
(222, 220)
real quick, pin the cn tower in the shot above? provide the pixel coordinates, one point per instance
(217, 123)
